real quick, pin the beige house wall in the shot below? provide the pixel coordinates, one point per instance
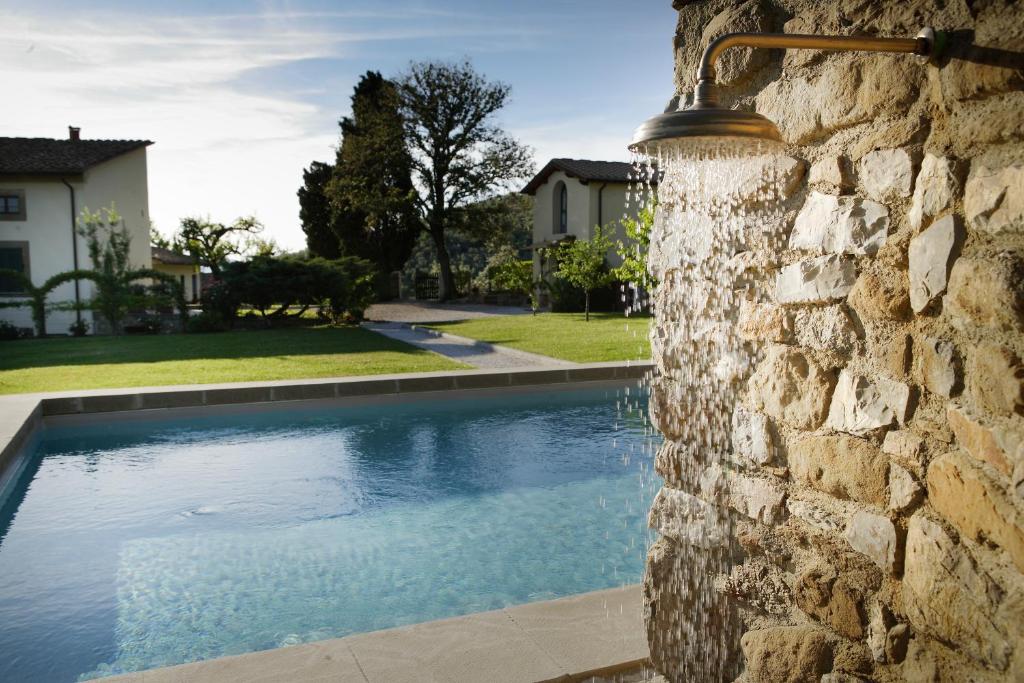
(589, 205)
(183, 271)
(47, 227)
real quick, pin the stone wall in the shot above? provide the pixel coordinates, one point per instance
(877, 488)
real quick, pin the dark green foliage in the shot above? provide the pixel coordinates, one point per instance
(283, 288)
(206, 321)
(482, 229)
(316, 213)
(9, 332)
(363, 205)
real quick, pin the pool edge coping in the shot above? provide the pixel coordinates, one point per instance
(22, 415)
(552, 631)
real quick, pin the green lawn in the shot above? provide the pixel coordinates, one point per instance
(607, 336)
(101, 362)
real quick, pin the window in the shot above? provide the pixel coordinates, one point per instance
(561, 221)
(12, 205)
(13, 256)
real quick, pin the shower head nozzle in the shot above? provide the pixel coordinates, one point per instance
(705, 125)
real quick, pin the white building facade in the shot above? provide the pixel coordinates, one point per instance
(572, 196)
(44, 186)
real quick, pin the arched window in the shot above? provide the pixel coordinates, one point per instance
(561, 218)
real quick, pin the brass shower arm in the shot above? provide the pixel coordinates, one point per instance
(924, 45)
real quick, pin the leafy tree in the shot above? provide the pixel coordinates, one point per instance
(459, 155)
(316, 213)
(108, 243)
(210, 244)
(158, 239)
(507, 272)
(581, 263)
(633, 252)
(371, 192)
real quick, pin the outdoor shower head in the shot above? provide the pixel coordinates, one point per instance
(705, 124)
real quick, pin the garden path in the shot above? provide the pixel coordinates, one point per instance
(470, 351)
(434, 312)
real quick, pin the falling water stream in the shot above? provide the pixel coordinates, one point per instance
(719, 214)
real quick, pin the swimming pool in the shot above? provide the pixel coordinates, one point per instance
(132, 543)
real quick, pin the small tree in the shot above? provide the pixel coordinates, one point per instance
(506, 271)
(210, 244)
(109, 243)
(581, 263)
(633, 271)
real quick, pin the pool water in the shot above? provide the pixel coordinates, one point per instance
(133, 544)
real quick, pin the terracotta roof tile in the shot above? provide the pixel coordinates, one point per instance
(586, 170)
(44, 156)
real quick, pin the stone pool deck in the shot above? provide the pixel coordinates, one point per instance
(596, 636)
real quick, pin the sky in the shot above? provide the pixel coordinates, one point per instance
(239, 97)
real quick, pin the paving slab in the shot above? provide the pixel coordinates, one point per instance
(567, 639)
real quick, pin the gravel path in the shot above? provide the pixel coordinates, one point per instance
(428, 312)
(470, 351)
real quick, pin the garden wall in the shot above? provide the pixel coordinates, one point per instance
(875, 492)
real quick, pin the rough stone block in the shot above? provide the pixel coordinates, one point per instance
(814, 515)
(825, 328)
(881, 295)
(829, 598)
(816, 280)
(931, 256)
(786, 654)
(765, 322)
(792, 388)
(860, 406)
(994, 198)
(995, 377)
(987, 292)
(874, 536)
(756, 498)
(686, 519)
(976, 505)
(904, 491)
(679, 602)
(937, 366)
(904, 444)
(831, 173)
(737, 66)
(842, 466)
(752, 436)
(879, 623)
(887, 174)
(1000, 443)
(840, 225)
(947, 596)
(936, 190)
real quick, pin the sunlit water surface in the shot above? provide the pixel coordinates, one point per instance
(132, 545)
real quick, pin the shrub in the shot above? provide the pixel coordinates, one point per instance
(79, 328)
(339, 289)
(206, 322)
(9, 332)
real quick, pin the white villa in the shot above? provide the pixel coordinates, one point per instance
(44, 185)
(571, 196)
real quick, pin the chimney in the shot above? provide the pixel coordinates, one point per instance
(73, 133)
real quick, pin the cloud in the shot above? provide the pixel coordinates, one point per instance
(222, 148)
